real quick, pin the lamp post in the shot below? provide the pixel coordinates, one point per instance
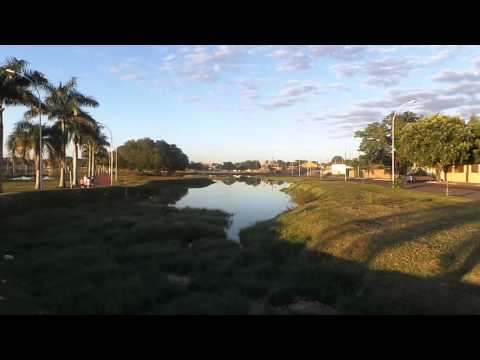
(40, 152)
(393, 139)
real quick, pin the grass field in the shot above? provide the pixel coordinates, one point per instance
(21, 186)
(124, 179)
(356, 248)
(394, 251)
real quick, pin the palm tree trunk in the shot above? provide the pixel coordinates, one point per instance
(1, 145)
(75, 156)
(37, 171)
(63, 156)
(93, 162)
(89, 162)
(13, 165)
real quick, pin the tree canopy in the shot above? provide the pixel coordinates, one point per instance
(147, 154)
(376, 140)
(337, 160)
(437, 141)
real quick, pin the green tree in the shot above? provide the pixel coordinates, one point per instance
(376, 141)
(64, 104)
(94, 143)
(14, 90)
(196, 166)
(228, 166)
(437, 140)
(337, 160)
(25, 140)
(80, 132)
(248, 165)
(146, 154)
(176, 159)
(474, 125)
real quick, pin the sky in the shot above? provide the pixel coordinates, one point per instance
(239, 102)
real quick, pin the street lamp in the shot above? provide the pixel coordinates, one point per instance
(393, 138)
(35, 85)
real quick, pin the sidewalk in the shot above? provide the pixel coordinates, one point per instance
(471, 191)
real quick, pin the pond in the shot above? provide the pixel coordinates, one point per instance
(248, 201)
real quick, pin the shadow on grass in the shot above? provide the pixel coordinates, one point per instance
(421, 224)
(447, 232)
(351, 286)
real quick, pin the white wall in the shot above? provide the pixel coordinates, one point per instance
(338, 169)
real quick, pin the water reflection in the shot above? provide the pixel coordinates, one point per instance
(248, 199)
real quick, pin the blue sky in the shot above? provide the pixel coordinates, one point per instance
(238, 102)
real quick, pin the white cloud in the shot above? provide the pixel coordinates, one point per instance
(456, 76)
(390, 71)
(339, 51)
(383, 72)
(295, 91)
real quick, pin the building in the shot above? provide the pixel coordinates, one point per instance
(340, 169)
(459, 173)
(376, 173)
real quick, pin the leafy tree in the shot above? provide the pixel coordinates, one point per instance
(146, 154)
(376, 141)
(196, 166)
(474, 125)
(248, 165)
(176, 159)
(228, 166)
(438, 140)
(337, 160)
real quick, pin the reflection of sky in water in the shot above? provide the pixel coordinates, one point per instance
(247, 203)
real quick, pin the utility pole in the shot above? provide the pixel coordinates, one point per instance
(393, 139)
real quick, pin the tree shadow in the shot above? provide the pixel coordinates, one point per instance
(378, 234)
(354, 287)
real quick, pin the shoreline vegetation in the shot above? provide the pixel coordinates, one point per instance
(346, 248)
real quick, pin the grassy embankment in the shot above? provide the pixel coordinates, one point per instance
(358, 248)
(368, 249)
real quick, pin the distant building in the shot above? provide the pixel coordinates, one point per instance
(339, 169)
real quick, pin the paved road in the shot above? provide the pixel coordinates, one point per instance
(470, 191)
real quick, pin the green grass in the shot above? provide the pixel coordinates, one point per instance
(12, 186)
(368, 249)
(358, 248)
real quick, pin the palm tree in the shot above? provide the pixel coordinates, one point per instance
(64, 105)
(14, 90)
(25, 140)
(94, 145)
(53, 143)
(13, 149)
